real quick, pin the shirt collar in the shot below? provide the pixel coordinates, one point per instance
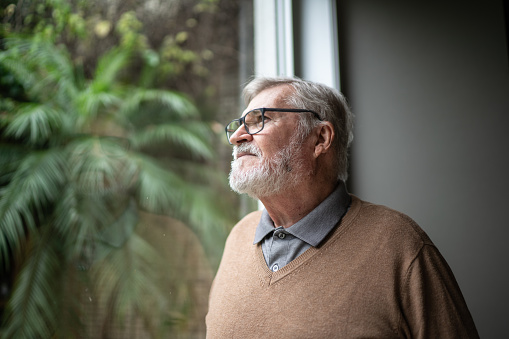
(315, 226)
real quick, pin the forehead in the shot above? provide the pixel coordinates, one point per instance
(273, 97)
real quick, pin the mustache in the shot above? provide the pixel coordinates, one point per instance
(246, 148)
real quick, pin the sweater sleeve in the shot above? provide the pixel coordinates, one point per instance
(433, 305)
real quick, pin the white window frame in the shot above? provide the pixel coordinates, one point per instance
(274, 39)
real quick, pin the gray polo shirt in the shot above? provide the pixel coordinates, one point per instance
(282, 245)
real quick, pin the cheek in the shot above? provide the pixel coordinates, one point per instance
(274, 138)
(271, 146)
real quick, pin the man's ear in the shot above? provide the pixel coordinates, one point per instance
(325, 135)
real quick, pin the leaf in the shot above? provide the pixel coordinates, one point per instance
(108, 67)
(18, 69)
(90, 103)
(79, 218)
(39, 66)
(181, 134)
(127, 278)
(101, 165)
(11, 157)
(36, 182)
(35, 122)
(32, 308)
(174, 103)
(157, 188)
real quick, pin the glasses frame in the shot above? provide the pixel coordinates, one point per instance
(242, 121)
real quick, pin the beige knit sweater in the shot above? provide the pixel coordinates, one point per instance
(376, 276)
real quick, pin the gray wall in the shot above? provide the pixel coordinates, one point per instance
(429, 84)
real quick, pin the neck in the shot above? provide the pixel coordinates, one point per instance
(288, 207)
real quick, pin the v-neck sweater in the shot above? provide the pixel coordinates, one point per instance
(282, 245)
(377, 275)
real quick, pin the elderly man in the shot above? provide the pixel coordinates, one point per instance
(318, 262)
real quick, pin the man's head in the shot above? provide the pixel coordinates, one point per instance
(289, 140)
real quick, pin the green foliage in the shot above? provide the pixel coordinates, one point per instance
(77, 163)
(34, 308)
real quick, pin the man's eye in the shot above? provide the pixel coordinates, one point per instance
(253, 121)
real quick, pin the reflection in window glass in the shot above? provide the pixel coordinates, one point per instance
(114, 205)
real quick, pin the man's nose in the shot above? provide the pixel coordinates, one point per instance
(240, 136)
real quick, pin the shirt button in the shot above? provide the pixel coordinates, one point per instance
(281, 235)
(275, 267)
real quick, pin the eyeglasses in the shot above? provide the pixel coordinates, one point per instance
(254, 120)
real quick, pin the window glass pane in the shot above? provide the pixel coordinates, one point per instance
(114, 203)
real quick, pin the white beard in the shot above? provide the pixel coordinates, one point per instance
(270, 176)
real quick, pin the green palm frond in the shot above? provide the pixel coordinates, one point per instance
(187, 135)
(202, 209)
(70, 223)
(158, 189)
(102, 92)
(108, 68)
(12, 155)
(36, 183)
(34, 122)
(79, 218)
(173, 103)
(209, 218)
(39, 66)
(90, 102)
(32, 311)
(127, 278)
(75, 224)
(100, 165)
(18, 69)
(193, 196)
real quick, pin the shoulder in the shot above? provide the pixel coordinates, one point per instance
(391, 221)
(376, 227)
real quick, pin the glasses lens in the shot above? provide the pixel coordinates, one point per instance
(231, 128)
(254, 121)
